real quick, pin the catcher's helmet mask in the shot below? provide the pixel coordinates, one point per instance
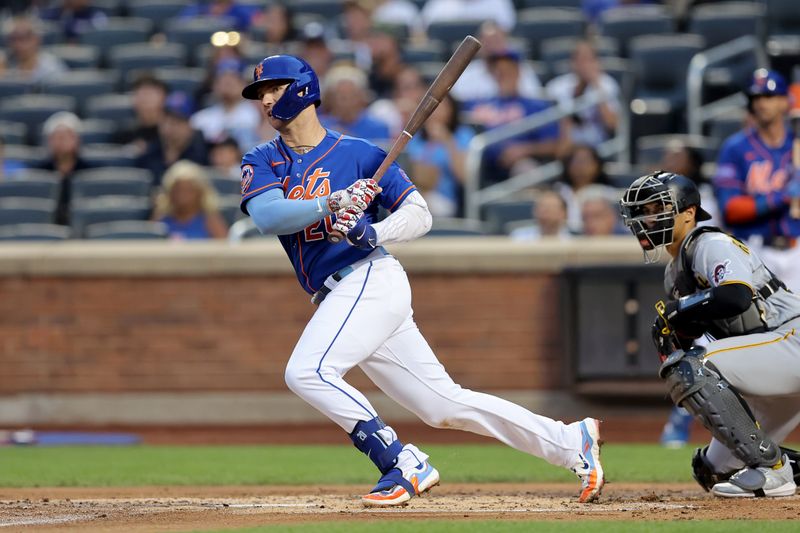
(649, 207)
(303, 89)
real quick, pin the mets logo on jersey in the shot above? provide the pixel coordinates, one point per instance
(721, 271)
(247, 177)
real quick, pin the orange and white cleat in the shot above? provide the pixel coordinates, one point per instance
(396, 487)
(588, 467)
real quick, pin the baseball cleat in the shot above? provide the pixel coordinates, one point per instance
(759, 482)
(396, 488)
(588, 467)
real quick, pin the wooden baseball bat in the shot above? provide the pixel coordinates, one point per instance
(439, 88)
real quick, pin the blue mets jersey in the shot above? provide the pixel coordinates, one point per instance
(333, 164)
(748, 167)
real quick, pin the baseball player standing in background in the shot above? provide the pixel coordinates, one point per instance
(309, 181)
(745, 385)
(756, 180)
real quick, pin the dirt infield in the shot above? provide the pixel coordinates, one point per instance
(199, 508)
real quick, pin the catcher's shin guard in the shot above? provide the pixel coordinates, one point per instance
(703, 392)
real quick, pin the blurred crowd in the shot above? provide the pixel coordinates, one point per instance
(375, 59)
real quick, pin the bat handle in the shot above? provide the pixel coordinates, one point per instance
(335, 237)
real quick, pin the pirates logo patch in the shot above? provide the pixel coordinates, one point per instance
(721, 271)
(247, 177)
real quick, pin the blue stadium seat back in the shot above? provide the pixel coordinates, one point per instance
(453, 32)
(650, 148)
(498, 214)
(82, 85)
(652, 116)
(158, 11)
(108, 155)
(782, 17)
(424, 52)
(34, 232)
(76, 55)
(327, 9)
(116, 107)
(52, 32)
(117, 31)
(229, 207)
(226, 185)
(626, 22)
(95, 186)
(13, 132)
(15, 210)
(524, 4)
(185, 79)
(456, 227)
(558, 49)
(30, 156)
(539, 24)
(32, 184)
(33, 109)
(196, 31)
(15, 87)
(661, 63)
(621, 175)
(87, 211)
(721, 22)
(111, 8)
(98, 130)
(141, 56)
(127, 230)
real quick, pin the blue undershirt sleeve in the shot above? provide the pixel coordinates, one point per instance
(274, 214)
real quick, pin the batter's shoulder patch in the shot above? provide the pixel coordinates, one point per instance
(721, 271)
(247, 177)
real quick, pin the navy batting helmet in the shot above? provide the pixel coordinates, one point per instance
(303, 89)
(765, 83)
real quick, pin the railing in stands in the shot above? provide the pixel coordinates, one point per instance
(698, 113)
(475, 196)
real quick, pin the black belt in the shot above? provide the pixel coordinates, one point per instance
(337, 276)
(771, 287)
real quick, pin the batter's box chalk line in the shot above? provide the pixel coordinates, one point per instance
(550, 509)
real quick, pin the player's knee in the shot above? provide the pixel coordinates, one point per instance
(297, 377)
(443, 418)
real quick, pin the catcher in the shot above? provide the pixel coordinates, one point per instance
(744, 387)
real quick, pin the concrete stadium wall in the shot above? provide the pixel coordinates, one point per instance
(128, 332)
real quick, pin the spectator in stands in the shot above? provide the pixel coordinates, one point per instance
(583, 168)
(500, 11)
(550, 216)
(476, 82)
(598, 123)
(407, 92)
(686, 160)
(9, 168)
(387, 62)
(187, 204)
(523, 151)
(345, 101)
(62, 134)
(438, 158)
(76, 17)
(231, 116)
(176, 139)
(24, 58)
(599, 212)
(315, 48)
(276, 20)
(240, 15)
(148, 95)
(219, 54)
(356, 28)
(226, 158)
(394, 12)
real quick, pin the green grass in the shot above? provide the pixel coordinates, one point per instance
(257, 465)
(504, 526)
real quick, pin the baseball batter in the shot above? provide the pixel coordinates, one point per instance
(302, 185)
(745, 385)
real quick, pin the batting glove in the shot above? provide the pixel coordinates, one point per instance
(360, 194)
(354, 225)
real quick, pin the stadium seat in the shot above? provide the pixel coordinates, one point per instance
(184, 79)
(430, 70)
(13, 87)
(111, 8)
(116, 107)
(97, 130)
(725, 21)
(118, 31)
(76, 55)
(51, 32)
(621, 175)
(558, 49)
(127, 229)
(82, 84)
(158, 11)
(111, 181)
(88, 211)
(229, 207)
(15, 210)
(327, 9)
(782, 17)
(13, 132)
(108, 155)
(452, 32)
(616, 67)
(33, 109)
(523, 4)
(127, 57)
(650, 148)
(424, 52)
(194, 32)
(32, 184)
(538, 24)
(31, 156)
(724, 126)
(227, 186)
(498, 214)
(626, 22)
(34, 232)
(651, 116)
(661, 62)
(456, 227)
